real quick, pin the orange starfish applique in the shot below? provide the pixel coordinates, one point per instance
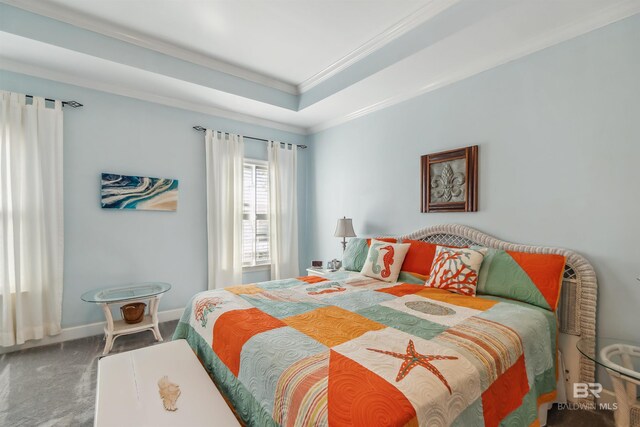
(412, 359)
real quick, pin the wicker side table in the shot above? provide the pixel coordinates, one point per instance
(617, 356)
(138, 292)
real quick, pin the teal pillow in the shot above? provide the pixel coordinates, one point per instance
(355, 254)
(484, 269)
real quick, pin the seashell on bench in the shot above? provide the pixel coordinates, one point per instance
(142, 387)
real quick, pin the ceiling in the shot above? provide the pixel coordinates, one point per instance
(273, 37)
(297, 65)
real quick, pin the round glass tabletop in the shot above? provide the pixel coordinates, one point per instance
(615, 354)
(125, 293)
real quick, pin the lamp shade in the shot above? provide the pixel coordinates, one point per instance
(344, 228)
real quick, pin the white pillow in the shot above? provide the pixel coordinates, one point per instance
(384, 260)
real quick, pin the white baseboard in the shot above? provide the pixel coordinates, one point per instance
(89, 330)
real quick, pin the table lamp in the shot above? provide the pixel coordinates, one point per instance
(344, 229)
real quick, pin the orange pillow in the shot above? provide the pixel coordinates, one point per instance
(420, 257)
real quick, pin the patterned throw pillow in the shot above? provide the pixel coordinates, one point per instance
(456, 270)
(532, 278)
(355, 254)
(417, 264)
(384, 260)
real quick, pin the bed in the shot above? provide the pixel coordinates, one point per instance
(360, 351)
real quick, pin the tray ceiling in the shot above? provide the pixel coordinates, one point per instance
(290, 40)
(298, 65)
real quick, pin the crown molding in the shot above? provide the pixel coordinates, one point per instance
(605, 17)
(35, 71)
(80, 20)
(589, 23)
(422, 15)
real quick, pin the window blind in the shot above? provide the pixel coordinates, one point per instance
(255, 215)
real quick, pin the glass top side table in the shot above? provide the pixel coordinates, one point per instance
(135, 292)
(618, 357)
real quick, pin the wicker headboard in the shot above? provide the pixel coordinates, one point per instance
(577, 308)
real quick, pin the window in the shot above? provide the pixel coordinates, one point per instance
(255, 214)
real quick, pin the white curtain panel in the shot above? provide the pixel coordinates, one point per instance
(31, 228)
(283, 218)
(225, 158)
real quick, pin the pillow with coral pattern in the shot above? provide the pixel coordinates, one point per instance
(456, 270)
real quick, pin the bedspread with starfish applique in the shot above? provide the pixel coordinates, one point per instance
(363, 352)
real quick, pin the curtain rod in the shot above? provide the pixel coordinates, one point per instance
(74, 104)
(203, 129)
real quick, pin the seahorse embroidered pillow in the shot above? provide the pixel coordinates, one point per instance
(384, 260)
(456, 270)
(417, 264)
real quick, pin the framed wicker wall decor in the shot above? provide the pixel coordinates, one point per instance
(449, 181)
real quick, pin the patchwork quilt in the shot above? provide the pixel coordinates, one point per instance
(362, 352)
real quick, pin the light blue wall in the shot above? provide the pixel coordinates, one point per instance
(107, 247)
(559, 136)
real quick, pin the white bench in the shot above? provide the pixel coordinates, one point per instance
(127, 391)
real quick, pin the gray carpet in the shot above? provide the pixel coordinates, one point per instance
(578, 418)
(55, 385)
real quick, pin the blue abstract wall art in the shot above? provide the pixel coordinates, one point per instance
(139, 193)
